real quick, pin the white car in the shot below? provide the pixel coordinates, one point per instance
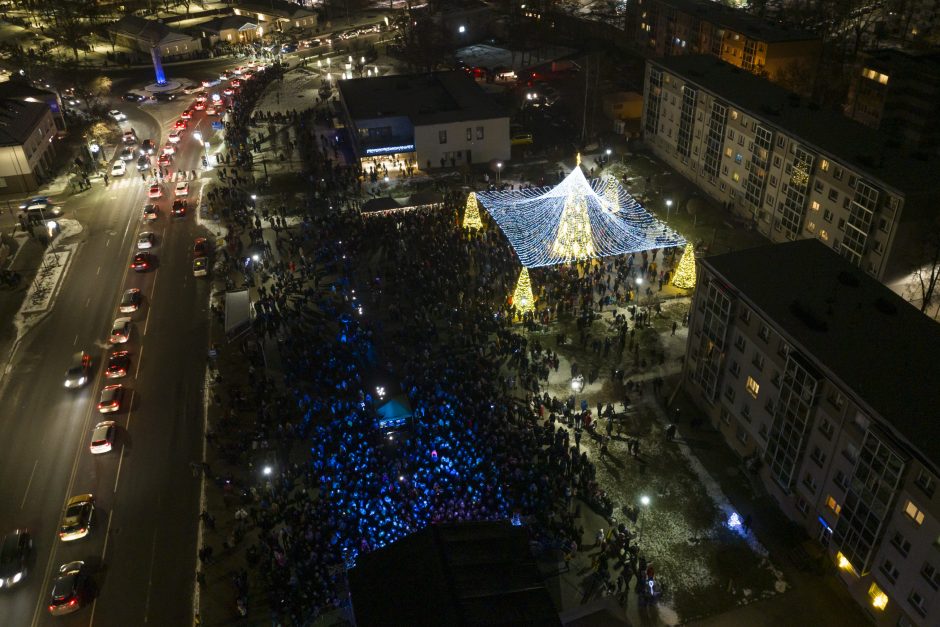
(102, 437)
(117, 115)
(169, 149)
(182, 188)
(175, 137)
(145, 240)
(120, 331)
(118, 169)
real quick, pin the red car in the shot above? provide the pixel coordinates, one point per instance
(187, 114)
(165, 160)
(155, 190)
(118, 365)
(180, 124)
(236, 83)
(200, 106)
(200, 247)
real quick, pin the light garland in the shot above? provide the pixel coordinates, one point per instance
(573, 220)
(523, 299)
(471, 216)
(684, 278)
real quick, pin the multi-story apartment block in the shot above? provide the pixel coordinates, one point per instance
(898, 92)
(679, 27)
(811, 366)
(794, 170)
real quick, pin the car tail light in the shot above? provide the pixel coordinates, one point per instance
(72, 602)
(52, 608)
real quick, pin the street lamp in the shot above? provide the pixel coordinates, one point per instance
(577, 384)
(197, 135)
(668, 207)
(644, 501)
(499, 168)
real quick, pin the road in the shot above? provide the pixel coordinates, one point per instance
(142, 546)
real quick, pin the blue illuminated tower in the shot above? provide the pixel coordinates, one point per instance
(158, 65)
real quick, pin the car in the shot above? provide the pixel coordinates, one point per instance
(179, 207)
(15, 550)
(228, 91)
(155, 191)
(210, 110)
(102, 437)
(77, 518)
(164, 96)
(34, 202)
(120, 331)
(247, 76)
(151, 212)
(187, 114)
(130, 137)
(70, 589)
(127, 155)
(238, 71)
(200, 266)
(169, 149)
(200, 105)
(521, 139)
(147, 146)
(236, 82)
(117, 115)
(145, 239)
(142, 262)
(79, 370)
(225, 75)
(130, 301)
(143, 163)
(201, 247)
(118, 169)
(175, 136)
(181, 124)
(182, 188)
(111, 398)
(118, 364)
(132, 97)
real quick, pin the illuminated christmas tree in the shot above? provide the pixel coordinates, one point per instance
(522, 298)
(574, 240)
(612, 194)
(471, 216)
(684, 278)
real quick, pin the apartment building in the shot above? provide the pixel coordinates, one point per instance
(27, 145)
(827, 377)
(668, 28)
(898, 92)
(791, 169)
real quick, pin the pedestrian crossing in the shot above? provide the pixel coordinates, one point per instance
(128, 180)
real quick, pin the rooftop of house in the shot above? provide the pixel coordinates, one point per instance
(145, 30)
(831, 133)
(18, 119)
(228, 22)
(277, 8)
(866, 336)
(436, 98)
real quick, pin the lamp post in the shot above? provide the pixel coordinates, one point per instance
(499, 168)
(197, 135)
(644, 502)
(608, 153)
(668, 207)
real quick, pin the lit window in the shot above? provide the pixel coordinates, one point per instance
(824, 165)
(811, 227)
(753, 388)
(823, 235)
(728, 152)
(735, 177)
(734, 114)
(879, 600)
(833, 505)
(914, 513)
(814, 206)
(844, 562)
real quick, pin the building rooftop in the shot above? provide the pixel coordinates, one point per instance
(277, 8)
(18, 119)
(862, 333)
(227, 22)
(469, 574)
(923, 64)
(142, 29)
(435, 98)
(741, 22)
(832, 134)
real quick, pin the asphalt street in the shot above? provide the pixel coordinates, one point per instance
(142, 546)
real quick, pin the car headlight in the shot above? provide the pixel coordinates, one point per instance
(81, 380)
(17, 577)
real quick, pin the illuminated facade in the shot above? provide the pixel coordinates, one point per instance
(680, 27)
(779, 358)
(791, 170)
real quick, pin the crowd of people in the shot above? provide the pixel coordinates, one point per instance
(419, 304)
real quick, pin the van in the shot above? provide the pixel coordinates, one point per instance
(79, 370)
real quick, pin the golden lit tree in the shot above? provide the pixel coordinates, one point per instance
(574, 240)
(522, 298)
(471, 215)
(684, 277)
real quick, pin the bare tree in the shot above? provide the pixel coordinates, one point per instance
(926, 267)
